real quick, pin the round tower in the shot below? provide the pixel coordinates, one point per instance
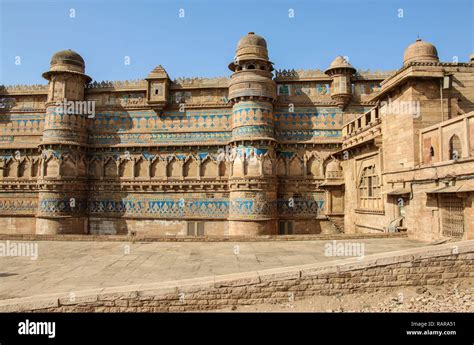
(66, 113)
(62, 179)
(252, 183)
(341, 72)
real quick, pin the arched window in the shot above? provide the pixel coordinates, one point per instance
(432, 153)
(250, 67)
(454, 147)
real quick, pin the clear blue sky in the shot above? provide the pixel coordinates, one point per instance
(202, 43)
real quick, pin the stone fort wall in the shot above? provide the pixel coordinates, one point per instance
(261, 152)
(162, 157)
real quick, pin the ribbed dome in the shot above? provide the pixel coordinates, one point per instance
(66, 61)
(69, 57)
(252, 46)
(339, 62)
(252, 40)
(420, 51)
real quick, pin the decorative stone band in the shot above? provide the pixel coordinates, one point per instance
(252, 120)
(307, 135)
(14, 204)
(194, 138)
(62, 204)
(253, 83)
(7, 139)
(64, 128)
(161, 208)
(249, 150)
(30, 122)
(166, 208)
(64, 136)
(147, 120)
(252, 210)
(300, 208)
(55, 119)
(255, 206)
(161, 139)
(304, 118)
(252, 184)
(250, 113)
(247, 106)
(253, 133)
(173, 208)
(252, 205)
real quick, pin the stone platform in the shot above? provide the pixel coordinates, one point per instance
(65, 266)
(418, 266)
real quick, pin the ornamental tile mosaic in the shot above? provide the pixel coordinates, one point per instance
(216, 150)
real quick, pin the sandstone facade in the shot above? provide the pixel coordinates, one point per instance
(259, 153)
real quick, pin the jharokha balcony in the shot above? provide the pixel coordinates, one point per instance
(362, 129)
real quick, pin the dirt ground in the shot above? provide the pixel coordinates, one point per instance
(454, 297)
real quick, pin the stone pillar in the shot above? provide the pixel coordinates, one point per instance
(62, 183)
(252, 183)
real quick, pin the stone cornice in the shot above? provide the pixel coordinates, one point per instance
(416, 70)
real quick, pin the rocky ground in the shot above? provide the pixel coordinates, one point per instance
(454, 297)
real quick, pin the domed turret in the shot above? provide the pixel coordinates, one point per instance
(67, 57)
(66, 84)
(420, 51)
(66, 61)
(252, 70)
(65, 124)
(341, 71)
(250, 47)
(340, 62)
